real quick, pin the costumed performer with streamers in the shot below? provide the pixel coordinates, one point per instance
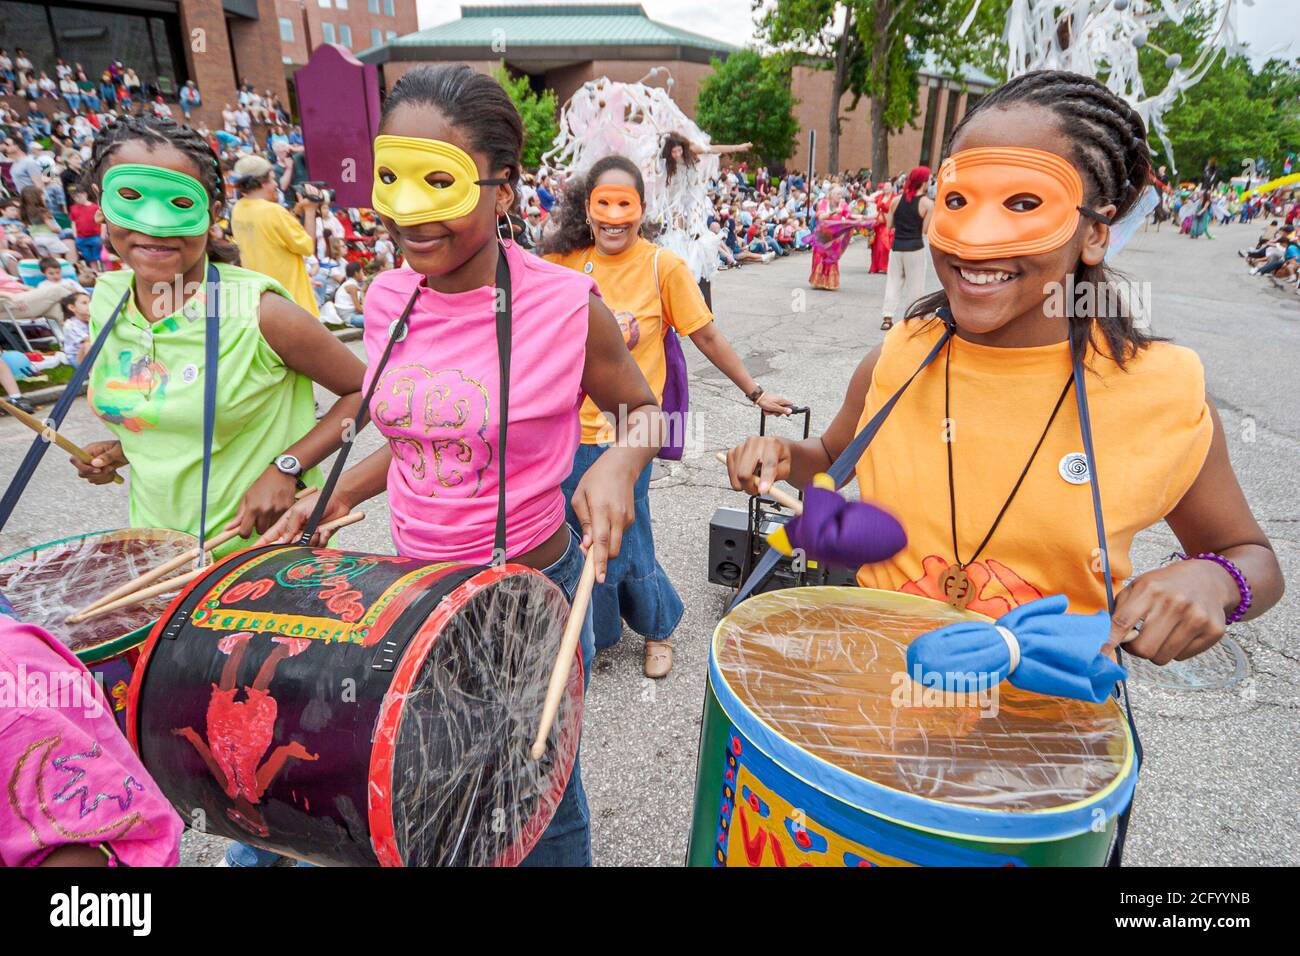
(654, 299)
(159, 188)
(447, 167)
(998, 505)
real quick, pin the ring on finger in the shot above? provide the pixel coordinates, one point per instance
(1135, 631)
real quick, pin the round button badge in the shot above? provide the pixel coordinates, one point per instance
(1074, 468)
(393, 325)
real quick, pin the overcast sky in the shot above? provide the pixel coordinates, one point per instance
(1271, 27)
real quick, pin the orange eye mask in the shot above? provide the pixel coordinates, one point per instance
(614, 205)
(1000, 202)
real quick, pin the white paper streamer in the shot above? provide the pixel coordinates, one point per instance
(1104, 38)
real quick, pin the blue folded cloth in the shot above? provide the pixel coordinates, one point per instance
(1044, 650)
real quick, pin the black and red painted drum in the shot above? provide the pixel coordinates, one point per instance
(354, 709)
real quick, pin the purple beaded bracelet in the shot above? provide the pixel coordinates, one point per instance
(1242, 584)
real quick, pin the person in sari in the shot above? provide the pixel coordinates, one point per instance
(831, 235)
(884, 239)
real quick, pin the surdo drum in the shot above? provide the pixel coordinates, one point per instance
(818, 749)
(357, 709)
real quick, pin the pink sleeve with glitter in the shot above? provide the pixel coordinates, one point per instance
(68, 774)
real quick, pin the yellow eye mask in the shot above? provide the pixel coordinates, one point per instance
(1000, 202)
(404, 166)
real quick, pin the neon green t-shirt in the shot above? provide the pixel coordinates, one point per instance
(147, 386)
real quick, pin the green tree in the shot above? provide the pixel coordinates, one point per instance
(876, 48)
(1233, 114)
(747, 98)
(537, 111)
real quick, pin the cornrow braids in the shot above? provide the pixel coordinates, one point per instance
(1111, 151)
(162, 131)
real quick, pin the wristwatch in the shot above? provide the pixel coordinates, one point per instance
(291, 466)
(756, 394)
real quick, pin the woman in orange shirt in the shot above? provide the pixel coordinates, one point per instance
(653, 294)
(983, 457)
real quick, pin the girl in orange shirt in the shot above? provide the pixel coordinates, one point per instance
(983, 457)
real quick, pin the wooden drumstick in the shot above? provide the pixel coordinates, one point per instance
(564, 661)
(136, 597)
(782, 498)
(49, 434)
(331, 526)
(172, 584)
(167, 567)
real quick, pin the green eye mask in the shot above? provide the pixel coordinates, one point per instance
(157, 202)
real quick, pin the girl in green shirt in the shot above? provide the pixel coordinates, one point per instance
(147, 382)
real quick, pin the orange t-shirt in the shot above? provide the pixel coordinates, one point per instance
(644, 313)
(1151, 433)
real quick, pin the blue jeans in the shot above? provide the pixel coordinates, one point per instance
(241, 854)
(567, 840)
(636, 588)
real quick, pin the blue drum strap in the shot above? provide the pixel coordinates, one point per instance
(1085, 429)
(211, 355)
(842, 468)
(37, 450)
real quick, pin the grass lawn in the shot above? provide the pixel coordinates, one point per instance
(50, 377)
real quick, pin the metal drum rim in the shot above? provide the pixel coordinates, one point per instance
(908, 809)
(116, 646)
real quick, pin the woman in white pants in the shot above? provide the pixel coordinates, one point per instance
(908, 217)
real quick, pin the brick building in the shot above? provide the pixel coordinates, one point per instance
(216, 43)
(560, 47)
(353, 24)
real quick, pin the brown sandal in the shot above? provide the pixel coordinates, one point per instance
(658, 659)
(886, 325)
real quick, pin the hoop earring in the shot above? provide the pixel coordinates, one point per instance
(507, 240)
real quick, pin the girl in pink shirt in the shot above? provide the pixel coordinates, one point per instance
(75, 792)
(438, 400)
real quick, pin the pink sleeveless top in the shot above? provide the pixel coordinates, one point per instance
(438, 405)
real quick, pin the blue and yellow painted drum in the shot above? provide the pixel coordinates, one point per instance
(817, 749)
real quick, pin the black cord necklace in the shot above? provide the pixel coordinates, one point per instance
(955, 582)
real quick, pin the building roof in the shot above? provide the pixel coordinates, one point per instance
(555, 25)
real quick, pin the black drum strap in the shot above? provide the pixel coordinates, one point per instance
(505, 331)
(1121, 689)
(211, 356)
(503, 310)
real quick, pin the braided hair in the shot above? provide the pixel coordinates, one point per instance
(1110, 149)
(162, 131)
(573, 231)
